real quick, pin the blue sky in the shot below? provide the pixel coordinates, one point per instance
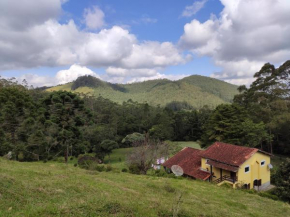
(50, 42)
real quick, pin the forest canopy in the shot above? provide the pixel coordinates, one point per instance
(40, 125)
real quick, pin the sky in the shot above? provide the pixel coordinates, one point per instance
(51, 42)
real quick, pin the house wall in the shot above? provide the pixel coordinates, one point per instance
(256, 171)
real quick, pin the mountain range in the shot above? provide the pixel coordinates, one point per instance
(196, 90)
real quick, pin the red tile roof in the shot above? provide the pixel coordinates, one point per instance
(228, 154)
(190, 161)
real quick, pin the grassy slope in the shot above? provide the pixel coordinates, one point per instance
(56, 189)
(196, 90)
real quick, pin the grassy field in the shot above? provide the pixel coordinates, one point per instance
(191, 144)
(56, 189)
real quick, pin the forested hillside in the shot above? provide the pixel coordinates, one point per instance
(196, 90)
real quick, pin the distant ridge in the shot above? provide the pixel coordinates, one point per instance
(196, 90)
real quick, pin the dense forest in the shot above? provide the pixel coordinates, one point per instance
(40, 125)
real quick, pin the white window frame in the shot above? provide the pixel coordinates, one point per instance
(263, 161)
(246, 167)
(206, 160)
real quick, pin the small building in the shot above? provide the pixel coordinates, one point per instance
(225, 163)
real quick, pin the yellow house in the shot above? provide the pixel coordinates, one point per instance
(225, 163)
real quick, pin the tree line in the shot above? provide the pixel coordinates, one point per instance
(38, 125)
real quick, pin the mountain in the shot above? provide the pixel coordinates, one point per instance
(196, 90)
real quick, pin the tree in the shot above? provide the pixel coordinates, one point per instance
(231, 123)
(144, 154)
(268, 100)
(107, 146)
(133, 138)
(282, 181)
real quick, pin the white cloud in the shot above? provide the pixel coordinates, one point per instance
(146, 19)
(157, 76)
(71, 74)
(121, 72)
(37, 80)
(194, 8)
(153, 54)
(94, 18)
(247, 34)
(20, 15)
(198, 34)
(46, 42)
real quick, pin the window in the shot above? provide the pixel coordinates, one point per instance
(247, 169)
(206, 161)
(263, 162)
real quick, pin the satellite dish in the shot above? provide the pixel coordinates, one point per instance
(177, 170)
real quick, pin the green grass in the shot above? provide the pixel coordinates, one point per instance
(190, 144)
(56, 189)
(196, 90)
(118, 158)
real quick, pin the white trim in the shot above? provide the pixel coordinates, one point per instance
(263, 161)
(246, 167)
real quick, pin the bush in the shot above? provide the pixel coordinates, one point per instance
(134, 169)
(75, 165)
(100, 168)
(88, 162)
(21, 156)
(268, 195)
(109, 168)
(124, 170)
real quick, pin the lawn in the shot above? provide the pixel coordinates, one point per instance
(191, 144)
(56, 189)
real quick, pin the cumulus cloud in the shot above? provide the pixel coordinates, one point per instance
(94, 18)
(71, 74)
(61, 77)
(20, 15)
(43, 41)
(247, 34)
(194, 8)
(37, 80)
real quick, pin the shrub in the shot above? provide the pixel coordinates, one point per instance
(100, 168)
(88, 162)
(21, 156)
(268, 195)
(134, 169)
(109, 168)
(75, 165)
(124, 170)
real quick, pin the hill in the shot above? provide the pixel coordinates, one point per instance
(56, 189)
(196, 90)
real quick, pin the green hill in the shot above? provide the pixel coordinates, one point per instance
(56, 189)
(195, 90)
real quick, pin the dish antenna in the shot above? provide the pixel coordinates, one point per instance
(177, 170)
